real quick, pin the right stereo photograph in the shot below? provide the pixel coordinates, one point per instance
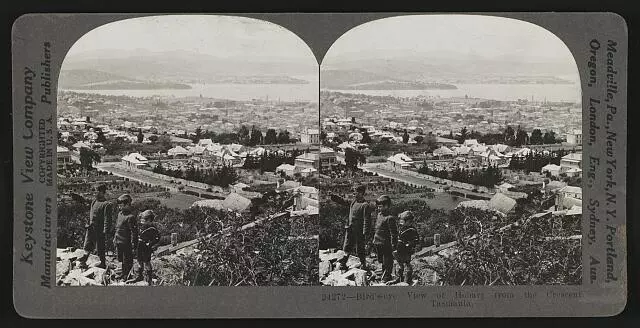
(451, 155)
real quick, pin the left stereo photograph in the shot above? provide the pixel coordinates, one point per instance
(187, 155)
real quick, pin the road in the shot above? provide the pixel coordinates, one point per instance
(411, 180)
(116, 168)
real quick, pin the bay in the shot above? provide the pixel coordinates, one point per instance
(507, 92)
(241, 92)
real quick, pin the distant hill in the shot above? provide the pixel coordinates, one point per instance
(86, 79)
(361, 80)
(455, 69)
(189, 67)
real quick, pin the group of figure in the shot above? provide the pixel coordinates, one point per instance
(134, 236)
(389, 237)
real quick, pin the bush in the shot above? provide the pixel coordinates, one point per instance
(520, 255)
(72, 217)
(263, 256)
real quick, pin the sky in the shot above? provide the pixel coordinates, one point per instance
(220, 36)
(478, 36)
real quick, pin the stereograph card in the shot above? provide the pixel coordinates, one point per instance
(319, 165)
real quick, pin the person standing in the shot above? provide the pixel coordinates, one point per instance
(97, 227)
(358, 226)
(407, 241)
(386, 236)
(125, 237)
(147, 240)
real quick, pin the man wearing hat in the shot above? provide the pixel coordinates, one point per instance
(97, 227)
(126, 234)
(358, 226)
(385, 239)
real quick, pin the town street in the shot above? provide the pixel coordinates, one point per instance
(382, 171)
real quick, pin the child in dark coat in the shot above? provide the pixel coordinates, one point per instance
(147, 239)
(408, 239)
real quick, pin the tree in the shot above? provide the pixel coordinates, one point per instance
(88, 157)
(243, 135)
(521, 137)
(352, 157)
(101, 138)
(365, 137)
(509, 136)
(271, 137)
(153, 138)
(536, 137)
(283, 137)
(256, 137)
(419, 139)
(405, 137)
(140, 136)
(198, 135)
(549, 137)
(463, 134)
(323, 136)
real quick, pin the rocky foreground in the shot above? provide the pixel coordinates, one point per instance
(336, 268)
(69, 273)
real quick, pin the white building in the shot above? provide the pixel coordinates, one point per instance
(310, 136)
(400, 160)
(574, 137)
(135, 160)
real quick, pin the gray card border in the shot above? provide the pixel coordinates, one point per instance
(599, 298)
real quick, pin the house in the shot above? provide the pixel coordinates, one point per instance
(570, 191)
(573, 172)
(212, 203)
(500, 148)
(462, 150)
(308, 160)
(553, 169)
(502, 203)
(63, 157)
(287, 185)
(505, 187)
(177, 151)
(239, 187)
(195, 150)
(443, 152)
(227, 157)
(574, 137)
(308, 172)
(470, 142)
(573, 160)
(445, 141)
(288, 169)
(236, 202)
(327, 158)
(310, 136)
(135, 160)
(554, 186)
(400, 160)
(205, 142)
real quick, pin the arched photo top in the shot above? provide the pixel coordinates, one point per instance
(188, 49)
(453, 49)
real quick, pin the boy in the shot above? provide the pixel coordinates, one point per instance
(147, 239)
(125, 237)
(407, 241)
(385, 239)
